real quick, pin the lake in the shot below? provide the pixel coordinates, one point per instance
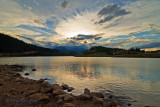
(137, 78)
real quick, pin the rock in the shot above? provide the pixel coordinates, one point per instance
(46, 90)
(97, 100)
(14, 91)
(112, 104)
(64, 86)
(86, 91)
(45, 84)
(40, 81)
(34, 69)
(39, 97)
(97, 94)
(70, 89)
(30, 92)
(68, 98)
(58, 92)
(84, 97)
(18, 80)
(69, 105)
(26, 74)
(129, 104)
(61, 96)
(110, 96)
(56, 86)
(60, 101)
(16, 74)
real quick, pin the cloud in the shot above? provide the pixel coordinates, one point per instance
(150, 45)
(86, 37)
(111, 11)
(65, 4)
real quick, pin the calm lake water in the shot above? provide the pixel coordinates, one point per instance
(137, 78)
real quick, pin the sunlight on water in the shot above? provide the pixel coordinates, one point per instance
(138, 78)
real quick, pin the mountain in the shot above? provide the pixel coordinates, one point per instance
(77, 49)
(10, 46)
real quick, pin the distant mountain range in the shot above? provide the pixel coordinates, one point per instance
(10, 46)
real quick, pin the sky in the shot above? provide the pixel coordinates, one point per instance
(83, 23)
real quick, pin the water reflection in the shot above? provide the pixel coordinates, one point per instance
(137, 78)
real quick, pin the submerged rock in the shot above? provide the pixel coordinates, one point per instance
(70, 89)
(65, 86)
(26, 74)
(86, 91)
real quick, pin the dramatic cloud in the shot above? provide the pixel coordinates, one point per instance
(65, 4)
(112, 23)
(111, 11)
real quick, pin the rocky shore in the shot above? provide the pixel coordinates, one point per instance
(17, 91)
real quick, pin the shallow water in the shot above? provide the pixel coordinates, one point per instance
(138, 78)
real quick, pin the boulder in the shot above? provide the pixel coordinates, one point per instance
(113, 103)
(70, 89)
(64, 86)
(58, 92)
(16, 74)
(60, 101)
(84, 97)
(61, 96)
(26, 74)
(45, 84)
(34, 69)
(86, 91)
(96, 94)
(68, 98)
(69, 105)
(46, 90)
(56, 86)
(97, 100)
(40, 81)
(39, 97)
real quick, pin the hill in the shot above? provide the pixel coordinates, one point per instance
(10, 46)
(99, 51)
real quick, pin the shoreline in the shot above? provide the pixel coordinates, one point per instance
(18, 91)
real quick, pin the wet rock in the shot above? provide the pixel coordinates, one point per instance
(64, 86)
(39, 97)
(70, 89)
(84, 97)
(68, 98)
(112, 104)
(69, 105)
(26, 74)
(110, 96)
(86, 91)
(16, 74)
(58, 92)
(46, 90)
(96, 94)
(56, 86)
(34, 69)
(129, 104)
(45, 84)
(97, 100)
(40, 81)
